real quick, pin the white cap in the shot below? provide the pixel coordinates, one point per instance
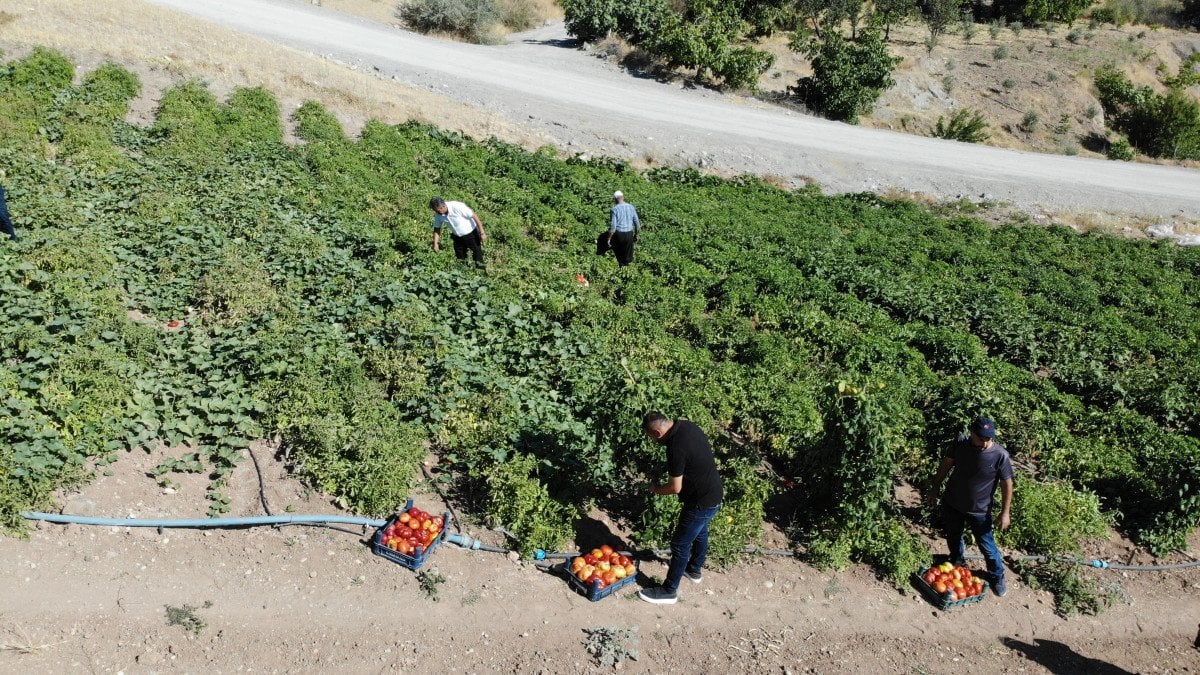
(618, 194)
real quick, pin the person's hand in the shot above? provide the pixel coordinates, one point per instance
(1005, 520)
(931, 498)
(482, 235)
(435, 247)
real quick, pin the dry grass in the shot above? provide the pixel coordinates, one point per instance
(164, 47)
(19, 641)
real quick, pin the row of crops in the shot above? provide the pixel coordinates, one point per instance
(830, 345)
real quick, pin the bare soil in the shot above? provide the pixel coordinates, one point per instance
(81, 598)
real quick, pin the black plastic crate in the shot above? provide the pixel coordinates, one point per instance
(412, 562)
(942, 600)
(591, 591)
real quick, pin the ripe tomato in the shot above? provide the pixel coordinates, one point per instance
(939, 586)
(579, 574)
(590, 559)
(577, 563)
(930, 577)
(609, 578)
(623, 560)
(966, 573)
(404, 518)
(606, 549)
(630, 570)
(597, 554)
(439, 521)
(413, 512)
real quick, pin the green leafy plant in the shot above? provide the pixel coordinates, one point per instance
(964, 125)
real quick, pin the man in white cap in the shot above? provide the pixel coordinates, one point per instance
(623, 229)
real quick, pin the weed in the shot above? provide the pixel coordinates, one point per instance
(1009, 84)
(186, 617)
(1016, 27)
(1029, 123)
(1000, 52)
(1074, 36)
(472, 598)
(1051, 76)
(948, 83)
(964, 125)
(429, 581)
(1054, 42)
(1092, 112)
(611, 646)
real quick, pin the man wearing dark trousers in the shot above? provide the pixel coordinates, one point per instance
(6, 224)
(979, 464)
(624, 228)
(466, 229)
(692, 474)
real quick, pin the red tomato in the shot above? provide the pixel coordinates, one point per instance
(939, 586)
(930, 577)
(413, 512)
(606, 549)
(439, 521)
(590, 559)
(609, 577)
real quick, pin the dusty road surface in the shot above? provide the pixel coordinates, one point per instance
(582, 103)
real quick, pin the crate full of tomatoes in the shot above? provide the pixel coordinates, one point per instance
(948, 586)
(598, 573)
(410, 537)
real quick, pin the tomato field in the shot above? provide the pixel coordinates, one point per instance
(200, 284)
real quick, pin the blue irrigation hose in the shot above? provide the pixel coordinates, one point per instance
(201, 522)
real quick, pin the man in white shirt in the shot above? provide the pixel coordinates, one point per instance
(466, 229)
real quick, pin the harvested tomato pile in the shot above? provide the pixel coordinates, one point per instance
(412, 532)
(602, 566)
(956, 581)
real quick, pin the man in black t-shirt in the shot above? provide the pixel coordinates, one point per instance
(979, 464)
(692, 474)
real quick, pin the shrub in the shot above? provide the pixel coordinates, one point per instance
(847, 77)
(519, 15)
(1160, 125)
(964, 125)
(1000, 52)
(1029, 123)
(520, 502)
(1052, 518)
(1009, 84)
(471, 19)
(1074, 36)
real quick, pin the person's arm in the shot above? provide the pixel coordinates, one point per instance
(1006, 495)
(673, 486)
(479, 226)
(437, 234)
(935, 487)
(637, 225)
(612, 223)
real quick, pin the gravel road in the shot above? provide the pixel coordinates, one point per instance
(583, 104)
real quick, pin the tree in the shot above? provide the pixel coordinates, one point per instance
(848, 77)
(704, 39)
(890, 12)
(1160, 125)
(1038, 11)
(938, 14)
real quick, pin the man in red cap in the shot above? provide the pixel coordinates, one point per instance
(979, 464)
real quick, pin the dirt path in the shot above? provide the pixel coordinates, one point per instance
(94, 599)
(580, 102)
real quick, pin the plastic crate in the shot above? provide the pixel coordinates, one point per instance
(942, 600)
(590, 591)
(412, 562)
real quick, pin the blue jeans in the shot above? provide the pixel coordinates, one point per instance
(981, 527)
(689, 545)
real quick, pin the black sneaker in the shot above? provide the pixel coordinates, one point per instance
(695, 577)
(658, 595)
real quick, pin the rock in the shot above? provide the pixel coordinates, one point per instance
(514, 557)
(78, 506)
